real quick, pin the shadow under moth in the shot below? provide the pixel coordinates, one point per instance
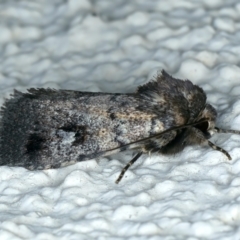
(47, 128)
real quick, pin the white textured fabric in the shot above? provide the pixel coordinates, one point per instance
(113, 46)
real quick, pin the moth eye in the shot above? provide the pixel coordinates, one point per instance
(203, 126)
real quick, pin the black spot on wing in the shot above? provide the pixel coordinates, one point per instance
(69, 128)
(79, 135)
(35, 143)
(112, 116)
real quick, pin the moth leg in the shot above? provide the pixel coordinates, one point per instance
(150, 153)
(127, 167)
(213, 146)
(203, 139)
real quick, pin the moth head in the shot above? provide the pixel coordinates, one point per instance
(207, 127)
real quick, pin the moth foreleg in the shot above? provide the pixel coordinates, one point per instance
(203, 139)
(213, 146)
(127, 167)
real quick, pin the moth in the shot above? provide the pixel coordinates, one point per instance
(46, 128)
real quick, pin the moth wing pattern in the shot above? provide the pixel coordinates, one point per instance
(47, 128)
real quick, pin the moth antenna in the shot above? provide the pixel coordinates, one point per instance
(128, 166)
(213, 146)
(219, 130)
